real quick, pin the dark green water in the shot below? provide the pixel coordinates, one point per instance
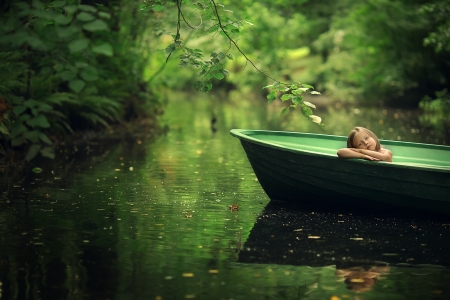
(151, 219)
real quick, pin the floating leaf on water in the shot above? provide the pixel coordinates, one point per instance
(313, 237)
(187, 274)
(37, 170)
(213, 271)
(357, 239)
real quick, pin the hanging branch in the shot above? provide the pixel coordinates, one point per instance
(236, 45)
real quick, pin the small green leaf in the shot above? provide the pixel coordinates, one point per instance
(36, 170)
(272, 96)
(105, 49)
(213, 28)
(32, 152)
(19, 109)
(32, 135)
(297, 99)
(17, 130)
(306, 111)
(307, 86)
(87, 8)
(85, 17)
(70, 9)
(18, 141)
(230, 57)
(96, 25)
(286, 97)
(89, 74)
(39, 121)
(284, 111)
(43, 137)
(48, 152)
(76, 85)
(104, 15)
(219, 76)
(62, 20)
(78, 45)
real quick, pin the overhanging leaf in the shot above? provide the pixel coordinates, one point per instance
(309, 104)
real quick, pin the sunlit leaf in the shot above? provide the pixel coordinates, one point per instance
(314, 93)
(309, 104)
(219, 76)
(316, 119)
(307, 86)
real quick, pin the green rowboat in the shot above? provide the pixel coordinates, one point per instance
(304, 168)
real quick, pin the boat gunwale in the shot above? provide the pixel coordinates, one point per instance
(240, 134)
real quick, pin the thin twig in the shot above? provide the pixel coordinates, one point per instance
(235, 44)
(182, 15)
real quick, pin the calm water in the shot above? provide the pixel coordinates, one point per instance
(151, 219)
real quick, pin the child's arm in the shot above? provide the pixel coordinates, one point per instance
(349, 153)
(384, 154)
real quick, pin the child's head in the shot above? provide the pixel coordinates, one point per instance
(351, 137)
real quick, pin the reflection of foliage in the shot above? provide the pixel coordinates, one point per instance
(436, 111)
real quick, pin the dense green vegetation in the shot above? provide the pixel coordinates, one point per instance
(70, 65)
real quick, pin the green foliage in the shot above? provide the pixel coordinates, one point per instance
(436, 111)
(216, 20)
(293, 93)
(65, 67)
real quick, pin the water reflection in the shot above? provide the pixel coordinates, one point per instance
(362, 279)
(151, 219)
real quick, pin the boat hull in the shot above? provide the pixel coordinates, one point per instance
(328, 181)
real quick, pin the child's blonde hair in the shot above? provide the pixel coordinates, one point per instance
(367, 131)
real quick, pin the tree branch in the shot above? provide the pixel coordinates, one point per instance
(236, 45)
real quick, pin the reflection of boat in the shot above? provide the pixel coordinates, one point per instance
(287, 234)
(304, 167)
(299, 254)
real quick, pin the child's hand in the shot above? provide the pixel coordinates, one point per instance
(368, 157)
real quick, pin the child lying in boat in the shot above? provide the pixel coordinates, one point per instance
(363, 143)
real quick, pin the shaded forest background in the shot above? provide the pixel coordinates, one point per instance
(71, 66)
